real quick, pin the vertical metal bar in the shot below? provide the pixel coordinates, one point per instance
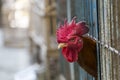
(117, 34)
(72, 71)
(109, 40)
(91, 18)
(76, 67)
(118, 38)
(112, 40)
(101, 16)
(91, 14)
(82, 10)
(105, 38)
(87, 10)
(69, 10)
(69, 18)
(90, 32)
(97, 37)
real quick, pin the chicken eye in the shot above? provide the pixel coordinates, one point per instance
(71, 40)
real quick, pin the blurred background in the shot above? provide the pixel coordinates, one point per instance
(27, 35)
(28, 47)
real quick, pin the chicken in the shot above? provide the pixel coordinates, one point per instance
(77, 47)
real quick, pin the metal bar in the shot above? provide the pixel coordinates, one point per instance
(69, 18)
(69, 10)
(97, 37)
(90, 17)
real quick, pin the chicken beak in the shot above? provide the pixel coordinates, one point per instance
(61, 45)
